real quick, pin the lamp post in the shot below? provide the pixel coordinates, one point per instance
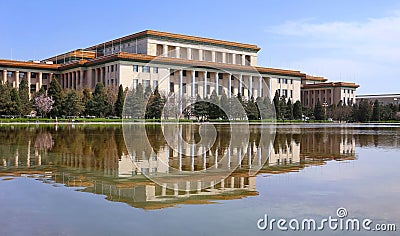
(325, 105)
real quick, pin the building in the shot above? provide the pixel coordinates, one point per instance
(168, 61)
(383, 99)
(314, 89)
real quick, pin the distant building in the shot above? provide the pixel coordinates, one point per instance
(314, 89)
(383, 99)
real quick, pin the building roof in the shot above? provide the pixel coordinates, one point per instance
(166, 35)
(378, 96)
(181, 62)
(330, 85)
(27, 65)
(316, 78)
(153, 59)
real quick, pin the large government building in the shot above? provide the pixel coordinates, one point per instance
(176, 64)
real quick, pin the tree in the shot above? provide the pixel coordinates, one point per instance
(214, 110)
(5, 99)
(99, 106)
(289, 110)
(87, 101)
(297, 110)
(15, 102)
(72, 104)
(154, 106)
(55, 92)
(224, 107)
(276, 102)
(319, 112)
(376, 112)
(364, 112)
(200, 109)
(43, 104)
(119, 104)
(252, 110)
(23, 91)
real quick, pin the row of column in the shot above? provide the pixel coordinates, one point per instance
(72, 80)
(17, 78)
(202, 54)
(249, 89)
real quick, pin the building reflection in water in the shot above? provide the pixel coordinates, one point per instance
(96, 159)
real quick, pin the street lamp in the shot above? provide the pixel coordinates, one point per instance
(325, 105)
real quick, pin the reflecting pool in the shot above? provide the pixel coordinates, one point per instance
(215, 179)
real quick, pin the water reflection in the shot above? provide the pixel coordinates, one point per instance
(95, 159)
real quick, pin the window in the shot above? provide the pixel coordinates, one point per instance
(284, 93)
(183, 72)
(220, 76)
(112, 68)
(116, 67)
(291, 93)
(291, 81)
(171, 72)
(155, 70)
(171, 87)
(208, 75)
(9, 74)
(155, 84)
(196, 74)
(135, 68)
(279, 81)
(146, 69)
(183, 87)
(135, 83)
(285, 81)
(146, 83)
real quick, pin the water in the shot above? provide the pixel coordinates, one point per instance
(84, 180)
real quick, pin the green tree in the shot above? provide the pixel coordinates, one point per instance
(5, 99)
(119, 104)
(87, 101)
(214, 110)
(224, 107)
(319, 111)
(376, 112)
(72, 104)
(252, 110)
(138, 105)
(276, 102)
(297, 110)
(154, 106)
(15, 102)
(289, 110)
(55, 92)
(23, 92)
(99, 106)
(364, 112)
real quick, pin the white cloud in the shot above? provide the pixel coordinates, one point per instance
(363, 50)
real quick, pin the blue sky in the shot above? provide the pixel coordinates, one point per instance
(355, 41)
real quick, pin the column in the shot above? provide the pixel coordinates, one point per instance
(180, 89)
(81, 79)
(260, 94)
(95, 77)
(243, 59)
(216, 83)
(201, 55)
(4, 76)
(74, 81)
(233, 58)
(189, 53)
(28, 78)
(168, 81)
(40, 81)
(205, 84)
(213, 56)
(230, 86)
(177, 52)
(224, 57)
(240, 84)
(50, 78)
(16, 79)
(193, 83)
(250, 92)
(165, 50)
